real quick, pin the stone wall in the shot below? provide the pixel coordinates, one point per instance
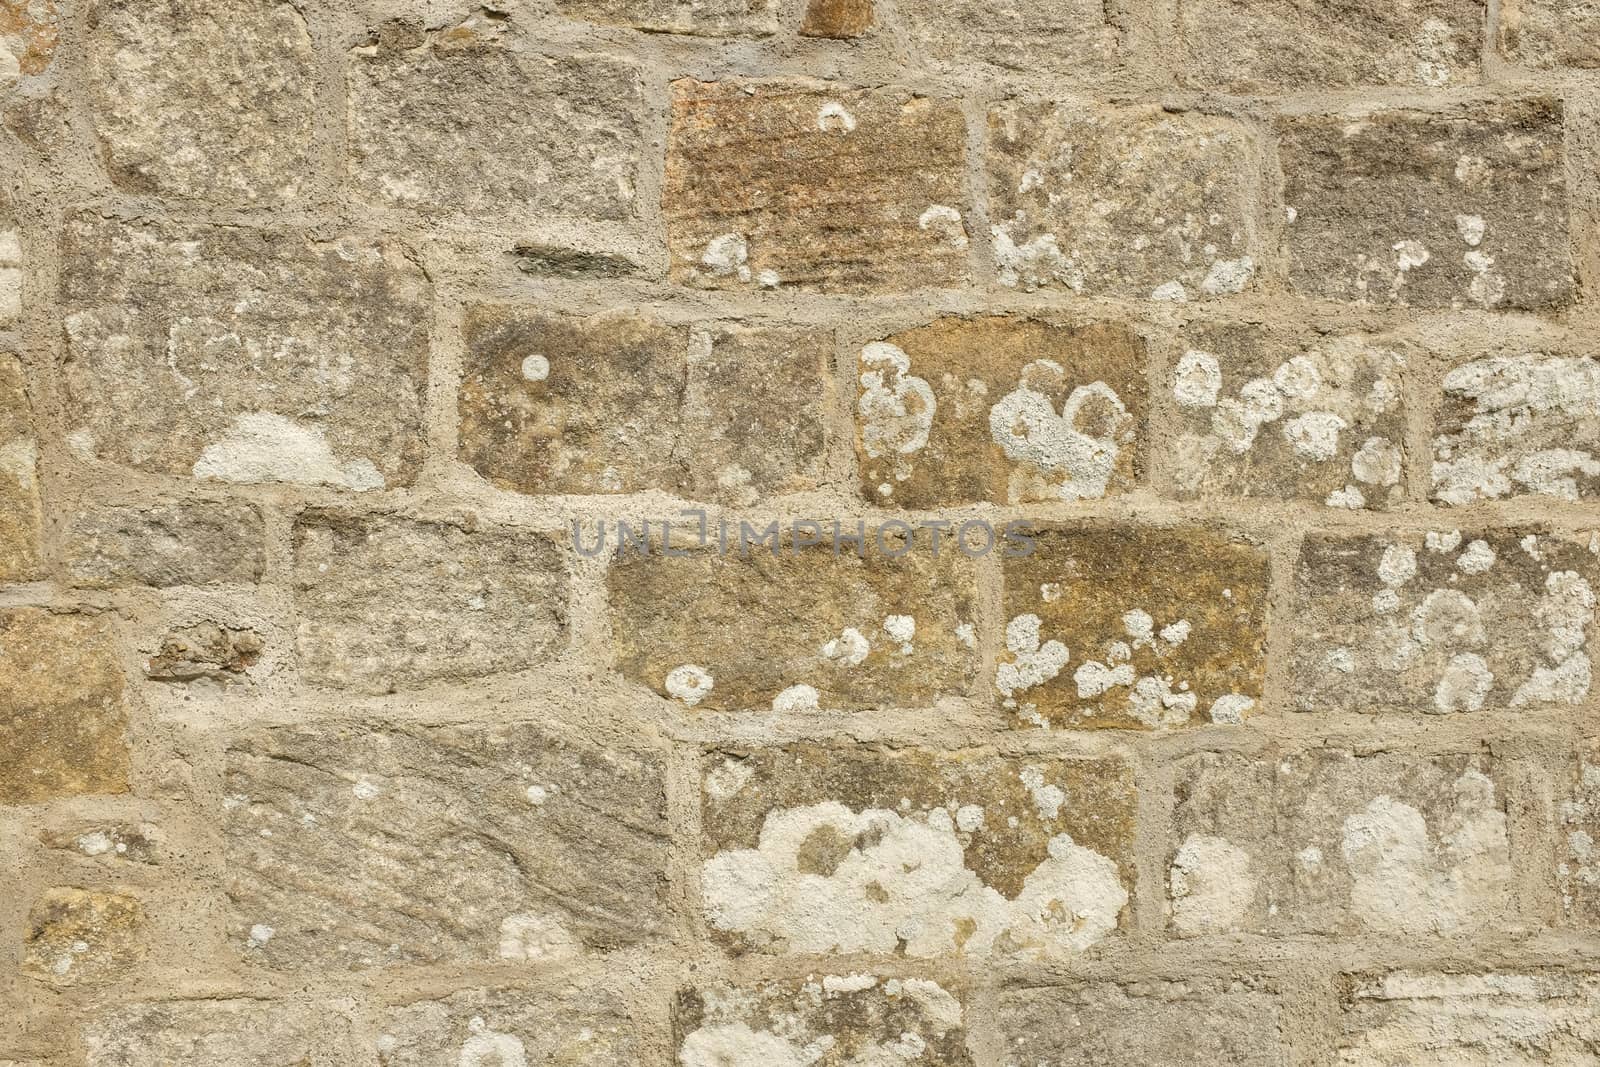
(1264, 326)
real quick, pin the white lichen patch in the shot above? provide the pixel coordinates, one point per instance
(849, 649)
(1073, 452)
(534, 936)
(267, 447)
(1209, 884)
(796, 698)
(1577, 852)
(689, 683)
(895, 406)
(1032, 663)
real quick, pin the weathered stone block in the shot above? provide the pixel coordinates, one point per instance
(1282, 415)
(79, 936)
(204, 99)
(1453, 209)
(461, 124)
(1448, 621)
(219, 1033)
(388, 602)
(166, 544)
(795, 630)
(110, 842)
(578, 1024)
(826, 1021)
(718, 18)
(838, 19)
(910, 852)
(1143, 1024)
(1074, 38)
(1168, 626)
(361, 845)
(1127, 201)
(1523, 1019)
(29, 30)
(207, 650)
(1250, 47)
(62, 720)
(1329, 842)
(12, 261)
(20, 517)
(814, 186)
(1000, 409)
(1517, 424)
(1577, 831)
(244, 355)
(1550, 33)
(619, 403)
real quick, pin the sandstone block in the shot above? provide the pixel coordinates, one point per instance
(79, 936)
(1280, 415)
(1074, 38)
(20, 516)
(1524, 1019)
(244, 355)
(1410, 208)
(719, 18)
(578, 1024)
(838, 19)
(1577, 830)
(365, 845)
(237, 1032)
(1000, 409)
(1330, 842)
(207, 650)
(29, 30)
(166, 544)
(909, 852)
(1448, 621)
(1128, 201)
(1550, 33)
(1166, 626)
(109, 842)
(814, 186)
(389, 602)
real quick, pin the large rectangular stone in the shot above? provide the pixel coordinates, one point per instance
(220, 1032)
(21, 517)
(1441, 622)
(811, 849)
(1078, 39)
(166, 544)
(1325, 841)
(1550, 33)
(360, 845)
(580, 1023)
(1525, 1020)
(717, 18)
(814, 186)
(244, 355)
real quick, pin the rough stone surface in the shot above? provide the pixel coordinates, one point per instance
(718, 18)
(1524, 1019)
(82, 936)
(29, 30)
(1076, 38)
(838, 19)
(366, 845)
(579, 1024)
(907, 852)
(794, 629)
(829, 1020)
(1330, 842)
(218, 1033)
(165, 544)
(20, 509)
(1001, 409)
(814, 186)
(1577, 830)
(1550, 33)
(110, 842)
(619, 403)
(205, 650)
(62, 720)
(203, 98)
(1443, 622)
(1281, 415)
(1129, 201)
(240, 355)
(1133, 628)
(389, 602)
(1430, 209)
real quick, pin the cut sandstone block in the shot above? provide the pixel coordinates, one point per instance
(364, 845)
(1432, 210)
(578, 1024)
(830, 1020)
(838, 19)
(244, 355)
(1129, 201)
(1550, 33)
(717, 18)
(219, 1033)
(1577, 831)
(166, 544)
(1075, 38)
(1000, 409)
(1530, 1020)
(1281, 415)
(910, 852)
(1333, 843)
(1166, 626)
(78, 936)
(20, 515)
(1447, 621)
(814, 186)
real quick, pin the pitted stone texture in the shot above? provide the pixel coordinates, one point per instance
(1133, 628)
(828, 1020)
(1329, 842)
(1250, 47)
(360, 845)
(1550, 33)
(1122, 201)
(219, 1033)
(1519, 424)
(576, 1024)
(110, 843)
(244, 355)
(29, 30)
(166, 544)
(1000, 409)
(20, 515)
(618, 403)
(1431, 210)
(910, 852)
(1080, 39)
(1284, 415)
(206, 650)
(718, 18)
(1447, 621)
(203, 99)
(796, 630)
(814, 186)
(12, 261)
(1530, 1020)
(1143, 1024)
(1577, 831)
(461, 125)
(62, 720)
(838, 19)
(390, 602)
(82, 936)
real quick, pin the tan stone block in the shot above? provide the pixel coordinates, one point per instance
(1577, 859)
(838, 19)
(20, 515)
(1550, 33)
(109, 842)
(206, 650)
(1076, 39)
(718, 18)
(29, 30)
(1526, 1019)
(165, 544)
(220, 1032)
(1000, 409)
(83, 936)
(581, 1023)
